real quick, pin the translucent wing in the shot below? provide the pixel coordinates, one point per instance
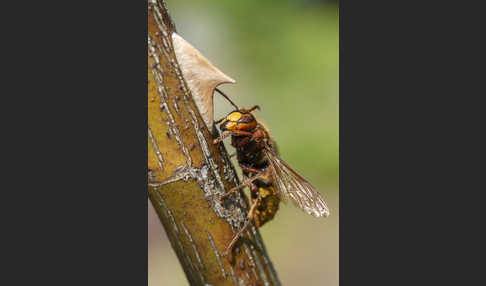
(291, 186)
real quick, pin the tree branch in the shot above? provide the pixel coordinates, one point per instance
(188, 174)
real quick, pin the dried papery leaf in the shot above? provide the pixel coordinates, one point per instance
(201, 76)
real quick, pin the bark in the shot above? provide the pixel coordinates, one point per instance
(187, 175)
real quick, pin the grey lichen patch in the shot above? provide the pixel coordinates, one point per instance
(234, 215)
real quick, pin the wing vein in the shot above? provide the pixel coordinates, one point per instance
(291, 186)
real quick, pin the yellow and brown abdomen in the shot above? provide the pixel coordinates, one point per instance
(267, 207)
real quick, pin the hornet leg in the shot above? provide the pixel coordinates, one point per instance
(251, 214)
(246, 182)
(230, 133)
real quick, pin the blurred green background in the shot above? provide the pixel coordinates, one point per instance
(284, 57)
